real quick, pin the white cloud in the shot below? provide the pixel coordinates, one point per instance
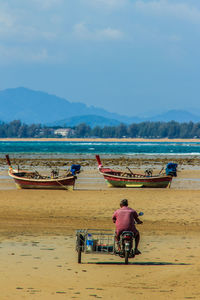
(16, 54)
(175, 38)
(112, 4)
(25, 34)
(110, 33)
(39, 55)
(18, 26)
(6, 19)
(47, 4)
(165, 7)
(24, 27)
(81, 31)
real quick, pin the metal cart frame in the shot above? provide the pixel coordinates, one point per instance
(99, 241)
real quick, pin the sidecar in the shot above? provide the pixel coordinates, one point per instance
(98, 241)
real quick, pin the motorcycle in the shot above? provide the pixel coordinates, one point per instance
(126, 244)
(103, 241)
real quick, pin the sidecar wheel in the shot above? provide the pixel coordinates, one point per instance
(79, 255)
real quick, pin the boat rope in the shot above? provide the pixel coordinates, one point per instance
(61, 184)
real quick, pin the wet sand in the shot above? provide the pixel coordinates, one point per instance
(37, 240)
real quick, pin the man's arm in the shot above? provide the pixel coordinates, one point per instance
(114, 217)
(138, 221)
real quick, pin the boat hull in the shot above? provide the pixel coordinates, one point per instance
(138, 184)
(54, 184)
(144, 182)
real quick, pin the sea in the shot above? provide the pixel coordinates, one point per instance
(85, 149)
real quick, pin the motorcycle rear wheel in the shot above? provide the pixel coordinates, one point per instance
(126, 257)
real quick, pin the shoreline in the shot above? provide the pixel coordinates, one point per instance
(97, 140)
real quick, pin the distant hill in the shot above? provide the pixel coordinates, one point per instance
(91, 120)
(176, 115)
(39, 107)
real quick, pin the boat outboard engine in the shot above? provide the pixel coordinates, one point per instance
(171, 169)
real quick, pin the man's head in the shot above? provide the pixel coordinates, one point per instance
(123, 202)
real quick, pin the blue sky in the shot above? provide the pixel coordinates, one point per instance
(133, 57)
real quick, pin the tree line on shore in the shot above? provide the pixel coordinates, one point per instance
(157, 130)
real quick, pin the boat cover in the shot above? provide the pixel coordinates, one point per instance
(75, 169)
(171, 169)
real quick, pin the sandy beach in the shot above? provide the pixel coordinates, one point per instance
(37, 240)
(99, 140)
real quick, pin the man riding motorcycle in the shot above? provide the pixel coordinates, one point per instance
(125, 219)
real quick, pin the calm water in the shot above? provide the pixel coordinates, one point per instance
(89, 149)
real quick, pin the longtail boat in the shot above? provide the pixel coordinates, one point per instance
(129, 179)
(33, 180)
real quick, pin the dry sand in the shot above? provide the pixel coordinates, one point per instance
(100, 139)
(37, 241)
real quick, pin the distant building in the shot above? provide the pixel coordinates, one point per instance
(62, 131)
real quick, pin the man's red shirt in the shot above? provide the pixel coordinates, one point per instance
(124, 219)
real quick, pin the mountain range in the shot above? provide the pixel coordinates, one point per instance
(39, 107)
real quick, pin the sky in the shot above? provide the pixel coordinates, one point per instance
(132, 57)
